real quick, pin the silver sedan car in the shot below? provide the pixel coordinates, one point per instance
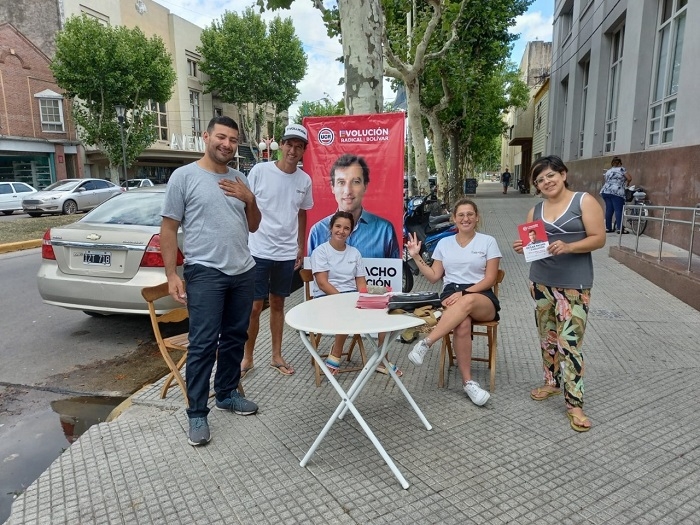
(69, 196)
(100, 263)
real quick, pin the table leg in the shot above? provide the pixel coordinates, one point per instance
(354, 392)
(346, 404)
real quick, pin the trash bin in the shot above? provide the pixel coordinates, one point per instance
(470, 186)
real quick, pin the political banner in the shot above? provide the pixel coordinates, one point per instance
(356, 163)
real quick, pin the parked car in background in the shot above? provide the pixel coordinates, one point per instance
(137, 183)
(100, 263)
(11, 195)
(69, 196)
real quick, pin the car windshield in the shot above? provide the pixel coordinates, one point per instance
(133, 183)
(63, 185)
(142, 208)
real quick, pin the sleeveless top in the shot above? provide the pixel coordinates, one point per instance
(570, 270)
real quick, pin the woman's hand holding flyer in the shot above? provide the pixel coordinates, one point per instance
(535, 242)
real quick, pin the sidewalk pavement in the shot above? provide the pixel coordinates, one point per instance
(514, 460)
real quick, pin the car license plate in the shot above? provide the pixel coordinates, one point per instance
(97, 258)
(30, 207)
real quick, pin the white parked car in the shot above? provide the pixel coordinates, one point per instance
(69, 196)
(100, 263)
(11, 195)
(137, 183)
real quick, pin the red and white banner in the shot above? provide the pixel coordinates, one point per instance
(379, 139)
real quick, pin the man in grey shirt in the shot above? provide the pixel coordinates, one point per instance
(216, 209)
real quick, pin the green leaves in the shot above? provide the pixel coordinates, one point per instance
(101, 66)
(249, 62)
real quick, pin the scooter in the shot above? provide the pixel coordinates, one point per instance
(429, 229)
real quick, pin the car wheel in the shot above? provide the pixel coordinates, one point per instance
(94, 314)
(33, 214)
(69, 207)
(7, 212)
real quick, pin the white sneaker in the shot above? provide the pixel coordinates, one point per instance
(418, 352)
(478, 395)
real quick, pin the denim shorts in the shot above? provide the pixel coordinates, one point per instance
(273, 277)
(451, 288)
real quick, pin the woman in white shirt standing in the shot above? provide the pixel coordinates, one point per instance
(468, 264)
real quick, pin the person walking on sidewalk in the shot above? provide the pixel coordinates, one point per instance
(505, 180)
(283, 192)
(561, 284)
(613, 193)
(468, 262)
(216, 210)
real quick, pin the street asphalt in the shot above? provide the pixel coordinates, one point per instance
(513, 460)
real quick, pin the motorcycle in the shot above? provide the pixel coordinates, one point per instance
(429, 229)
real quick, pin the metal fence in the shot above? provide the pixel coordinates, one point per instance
(685, 221)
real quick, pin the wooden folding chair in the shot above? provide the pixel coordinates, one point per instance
(491, 333)
(177, 342)
(307, 277)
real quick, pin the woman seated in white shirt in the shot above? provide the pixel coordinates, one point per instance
(468, 265)
(338, 268)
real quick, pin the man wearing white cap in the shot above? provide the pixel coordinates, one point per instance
(283, 194)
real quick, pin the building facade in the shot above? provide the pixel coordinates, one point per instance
(38, 141)
(517, 150)
(621, 84)
(180, 122)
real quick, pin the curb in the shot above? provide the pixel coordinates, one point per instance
(21, 245)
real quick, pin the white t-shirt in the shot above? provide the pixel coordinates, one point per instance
(342, 267)
(280, 196)
(466, 265)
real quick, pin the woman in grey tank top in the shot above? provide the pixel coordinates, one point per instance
(561, 284)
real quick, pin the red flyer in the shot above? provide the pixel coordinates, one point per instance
(535, 242)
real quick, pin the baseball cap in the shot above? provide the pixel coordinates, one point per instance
(295, 131)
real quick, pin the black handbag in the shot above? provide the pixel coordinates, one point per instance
(411, 301)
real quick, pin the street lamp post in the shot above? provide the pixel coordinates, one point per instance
(270, 145)
(121, 116)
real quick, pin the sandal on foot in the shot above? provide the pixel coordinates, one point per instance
(382, 370)
(245, 370)
(333, 364)
(283, 369)
(541, 393)
(578, 427)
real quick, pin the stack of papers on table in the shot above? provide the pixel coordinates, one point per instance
(373, 301)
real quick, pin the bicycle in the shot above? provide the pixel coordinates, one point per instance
(636, 218)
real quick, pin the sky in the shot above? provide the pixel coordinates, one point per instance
(324, 71)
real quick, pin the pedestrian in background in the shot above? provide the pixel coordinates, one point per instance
(613, 193)
(283, 193)
(219, 271)
(561, 284)
(505, 180)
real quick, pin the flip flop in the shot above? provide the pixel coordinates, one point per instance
(580, 419)
(245, 370)
(541, 393)
(283, 369)
(382, 370)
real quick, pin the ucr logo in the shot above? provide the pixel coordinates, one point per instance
(326, 136)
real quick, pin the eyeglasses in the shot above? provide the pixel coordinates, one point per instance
(548, 176)
(468, 215)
